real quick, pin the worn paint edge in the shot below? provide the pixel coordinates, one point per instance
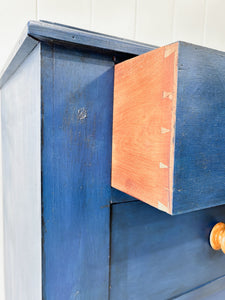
(173, 128)
(36, 31)
(55, 32)
(23, 48)
(43, 221)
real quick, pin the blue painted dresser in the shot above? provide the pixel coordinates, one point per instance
(68, 234)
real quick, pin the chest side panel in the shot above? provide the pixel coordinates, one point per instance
(20, 104)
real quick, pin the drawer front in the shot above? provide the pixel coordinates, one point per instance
(157, 256)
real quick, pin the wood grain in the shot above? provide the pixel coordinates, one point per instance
(76, 160)
(143, 126)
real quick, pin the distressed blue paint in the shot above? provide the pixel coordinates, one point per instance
(43, 31)
(214, 290)
(77, 91)
(158, 256)
(154, 256)
(199, 169)
(58, 33)
(21, 174)
(22, 50)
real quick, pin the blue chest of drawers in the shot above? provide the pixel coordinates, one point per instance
(68, 233)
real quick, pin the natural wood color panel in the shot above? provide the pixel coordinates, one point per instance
(143, 126)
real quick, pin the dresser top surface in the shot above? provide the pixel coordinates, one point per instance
(43, 31)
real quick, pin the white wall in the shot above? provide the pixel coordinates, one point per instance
(155, 22)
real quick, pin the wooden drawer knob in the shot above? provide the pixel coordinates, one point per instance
(217, 237)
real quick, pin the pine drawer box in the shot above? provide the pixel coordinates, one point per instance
(67, 233)
(169, 128)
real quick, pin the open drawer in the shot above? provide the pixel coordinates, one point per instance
(169, 128)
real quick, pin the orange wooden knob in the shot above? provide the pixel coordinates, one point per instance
(217, 237)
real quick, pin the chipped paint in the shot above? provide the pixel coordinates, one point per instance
(81, 113)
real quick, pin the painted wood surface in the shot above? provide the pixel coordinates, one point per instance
(53, 32)
(169, 128)
(36, 31)
(156, 256)
(200, 129)
(143, 126)
(20, 104)
(214, 290)
(76, 115)
(77, 98)
(75, 138)
(22, 49)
